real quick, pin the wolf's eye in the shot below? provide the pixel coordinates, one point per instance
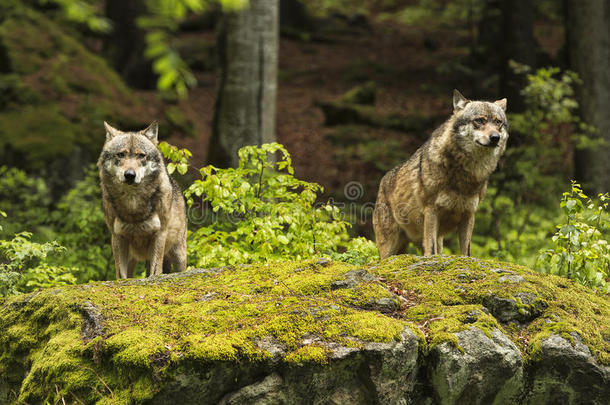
(480, 120)
(120, 155)
(498, 122)
(141, 155)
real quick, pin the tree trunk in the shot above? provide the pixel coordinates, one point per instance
(520, 46)
(589, 44)
(126, 43)
(246, 93)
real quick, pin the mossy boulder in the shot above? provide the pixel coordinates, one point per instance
(364, 94)
(342, 113)
(55, 94)
(405, 330)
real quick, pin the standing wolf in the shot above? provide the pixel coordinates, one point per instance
(143, 206)
(440, 187)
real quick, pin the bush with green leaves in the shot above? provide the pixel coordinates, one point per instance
(79, 225)
(24, 265)
(260, 212)
(25, 199)
(580, 249)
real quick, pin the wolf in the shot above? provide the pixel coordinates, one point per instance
(440, 187)
(143, 206)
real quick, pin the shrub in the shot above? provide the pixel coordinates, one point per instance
(79, 224)
(260, 212)
(24, 267)
(580, 250)
(25, 199)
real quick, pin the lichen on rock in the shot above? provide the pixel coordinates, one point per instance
(405, 330)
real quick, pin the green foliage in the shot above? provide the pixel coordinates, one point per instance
(522, 194)
(83, 12)
(80, 226)
(580, 250)
(77, 223)
(178, 158)
(174, 73)
(161, 24)
(358, 251)
(261, 212)
(24, 267)
(25, 199)
(552, 106)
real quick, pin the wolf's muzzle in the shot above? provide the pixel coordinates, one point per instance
(494, 139)
(130, 176)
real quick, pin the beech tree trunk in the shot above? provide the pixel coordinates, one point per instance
(125, 45)
(589, 45)
(246, 92)
(519, 45)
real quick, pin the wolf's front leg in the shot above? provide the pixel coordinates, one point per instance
(465, 228)
(430, 232)
(120, 251)
(157, 250)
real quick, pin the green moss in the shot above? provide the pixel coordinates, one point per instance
(446, 289)
(37, 131)
(156, 328)
(55, 92)
(58, 62)
(312, 353)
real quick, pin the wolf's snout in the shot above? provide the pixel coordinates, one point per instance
(494, 138)
(130, 176)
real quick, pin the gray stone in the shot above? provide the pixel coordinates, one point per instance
(511, 278)
(393, 368)
(386, 305)
(488, 371)
(93, 321)
(510, 310)
(273, 346)
(352, 279)
(565, 372)
(264, 392)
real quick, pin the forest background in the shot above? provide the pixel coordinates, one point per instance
(330, 93)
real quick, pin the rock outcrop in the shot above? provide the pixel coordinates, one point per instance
(407, 330)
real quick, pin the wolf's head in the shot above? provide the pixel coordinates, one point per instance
(480, 124)
(131, 157)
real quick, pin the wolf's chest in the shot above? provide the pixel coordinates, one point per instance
(455, 202)
(151, 225)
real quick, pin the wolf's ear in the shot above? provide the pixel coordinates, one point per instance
(501, 103)
(459, 101)
(110, 132)
(151, 132)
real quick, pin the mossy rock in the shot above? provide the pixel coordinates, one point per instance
(309, 332)
(55, 93)
(343, 113)
(364, 94)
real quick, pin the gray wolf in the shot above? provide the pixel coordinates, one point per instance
(144, 208)
(440, 187)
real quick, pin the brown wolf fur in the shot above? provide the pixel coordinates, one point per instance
(440, 187)
(143, 206)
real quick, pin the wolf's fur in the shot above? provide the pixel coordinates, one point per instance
(440, 187)
(143, 206)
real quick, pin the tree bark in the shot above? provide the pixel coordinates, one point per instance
(589, 44)
(520, 46)
(126, 44)
(246, 92)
